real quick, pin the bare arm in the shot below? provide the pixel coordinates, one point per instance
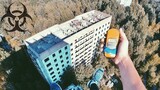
(129, 75)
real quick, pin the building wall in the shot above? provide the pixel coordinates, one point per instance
(53, 66)
(57, 62)
(39, 65)
(84, 44)
(100, 30)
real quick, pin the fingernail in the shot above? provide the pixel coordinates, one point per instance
(116, 61)
(121, 29)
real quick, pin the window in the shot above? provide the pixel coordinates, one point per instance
(47, 59)
(63, 65)
(52, 73)
(56, 65)
(57, 69)
(66, 57)
(49, 64)
(65, 47)
(63, 69)
(61, 61)
(60, 51)
(71, 49)
(55, 79)
(58, 72)
(67, 62)
(66, 53)
(71, 44)
(50, 69)
(55, 60)
(102, 30)
(76, 63)
(53, 76)
(108, 22)
(61, 56)
(54, 55)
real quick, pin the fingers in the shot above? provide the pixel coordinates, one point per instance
(122, 35)
(116, 61)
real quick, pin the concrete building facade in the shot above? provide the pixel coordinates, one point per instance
(49, 54)
(71, 43)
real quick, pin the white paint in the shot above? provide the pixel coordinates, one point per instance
(125, 2)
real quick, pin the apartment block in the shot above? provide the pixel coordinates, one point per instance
(49, 54)
(71, 43)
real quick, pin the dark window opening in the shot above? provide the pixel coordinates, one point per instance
(63, 69)
(55, 60)
(47, 59)
(49, 64)
(67, 61)
(61, 56)
(66, 53)
(53, 76)
(53, 55)
(65, 47)
(55, 79)
(50, 69)
(66, 57)
(60, 51)
(62, 61)
(52, 73)
(56, 65)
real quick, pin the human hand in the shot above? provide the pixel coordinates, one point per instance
(122, 50)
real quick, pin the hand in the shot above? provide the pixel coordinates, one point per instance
(122, 50)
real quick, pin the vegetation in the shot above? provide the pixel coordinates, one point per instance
(68, 78)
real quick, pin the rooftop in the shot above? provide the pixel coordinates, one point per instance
(79, 22)
(46, 39)
(45, 43)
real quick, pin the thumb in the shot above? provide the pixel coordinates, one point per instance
(116, 60)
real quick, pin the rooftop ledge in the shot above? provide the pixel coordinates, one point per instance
(55, 34)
